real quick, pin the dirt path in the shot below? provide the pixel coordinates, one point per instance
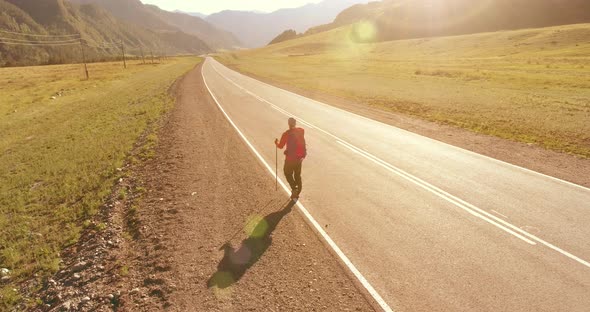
(204, 187)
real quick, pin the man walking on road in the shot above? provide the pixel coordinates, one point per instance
(296, 151)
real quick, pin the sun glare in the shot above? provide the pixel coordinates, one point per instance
(256, 226)
(365, 31)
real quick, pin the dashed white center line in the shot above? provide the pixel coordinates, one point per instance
(494, 211)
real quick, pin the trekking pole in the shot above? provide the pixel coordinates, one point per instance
(276, 168)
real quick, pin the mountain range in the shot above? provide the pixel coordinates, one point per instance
(257, 29)
(154, 18)
(106, 24)
(103, 25)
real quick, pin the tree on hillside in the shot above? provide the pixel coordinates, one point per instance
(286, 35)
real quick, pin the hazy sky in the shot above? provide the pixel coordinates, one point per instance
(213, 6)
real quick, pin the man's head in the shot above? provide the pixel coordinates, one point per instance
(292, 123)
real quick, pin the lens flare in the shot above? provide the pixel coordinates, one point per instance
(256, 226)
(364, 32)
(222, 281)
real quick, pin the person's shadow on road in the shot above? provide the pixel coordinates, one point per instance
(236, 262)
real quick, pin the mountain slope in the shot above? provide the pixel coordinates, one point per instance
(98, 28)
(404, 19)
(152, 17)
(13, 17)
(132, 11)
(258, 29)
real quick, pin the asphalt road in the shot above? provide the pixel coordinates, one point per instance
(430, 226)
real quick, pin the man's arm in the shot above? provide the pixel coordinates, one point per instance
(281, 144)
(304, 144)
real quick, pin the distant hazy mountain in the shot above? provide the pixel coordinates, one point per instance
(197, 14)
(215, 37)
(101, 30)
(151, 17)
(258, 29)
(402, 19)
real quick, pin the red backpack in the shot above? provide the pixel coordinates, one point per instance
(296, 147)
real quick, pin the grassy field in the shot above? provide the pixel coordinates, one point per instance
(61, 142)
(529, 85)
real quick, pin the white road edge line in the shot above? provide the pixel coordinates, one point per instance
(502, 224)
(306, 213)
(453, 146)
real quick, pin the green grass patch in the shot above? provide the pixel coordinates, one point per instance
(124, 271)
(530, 85)
(61, 141)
